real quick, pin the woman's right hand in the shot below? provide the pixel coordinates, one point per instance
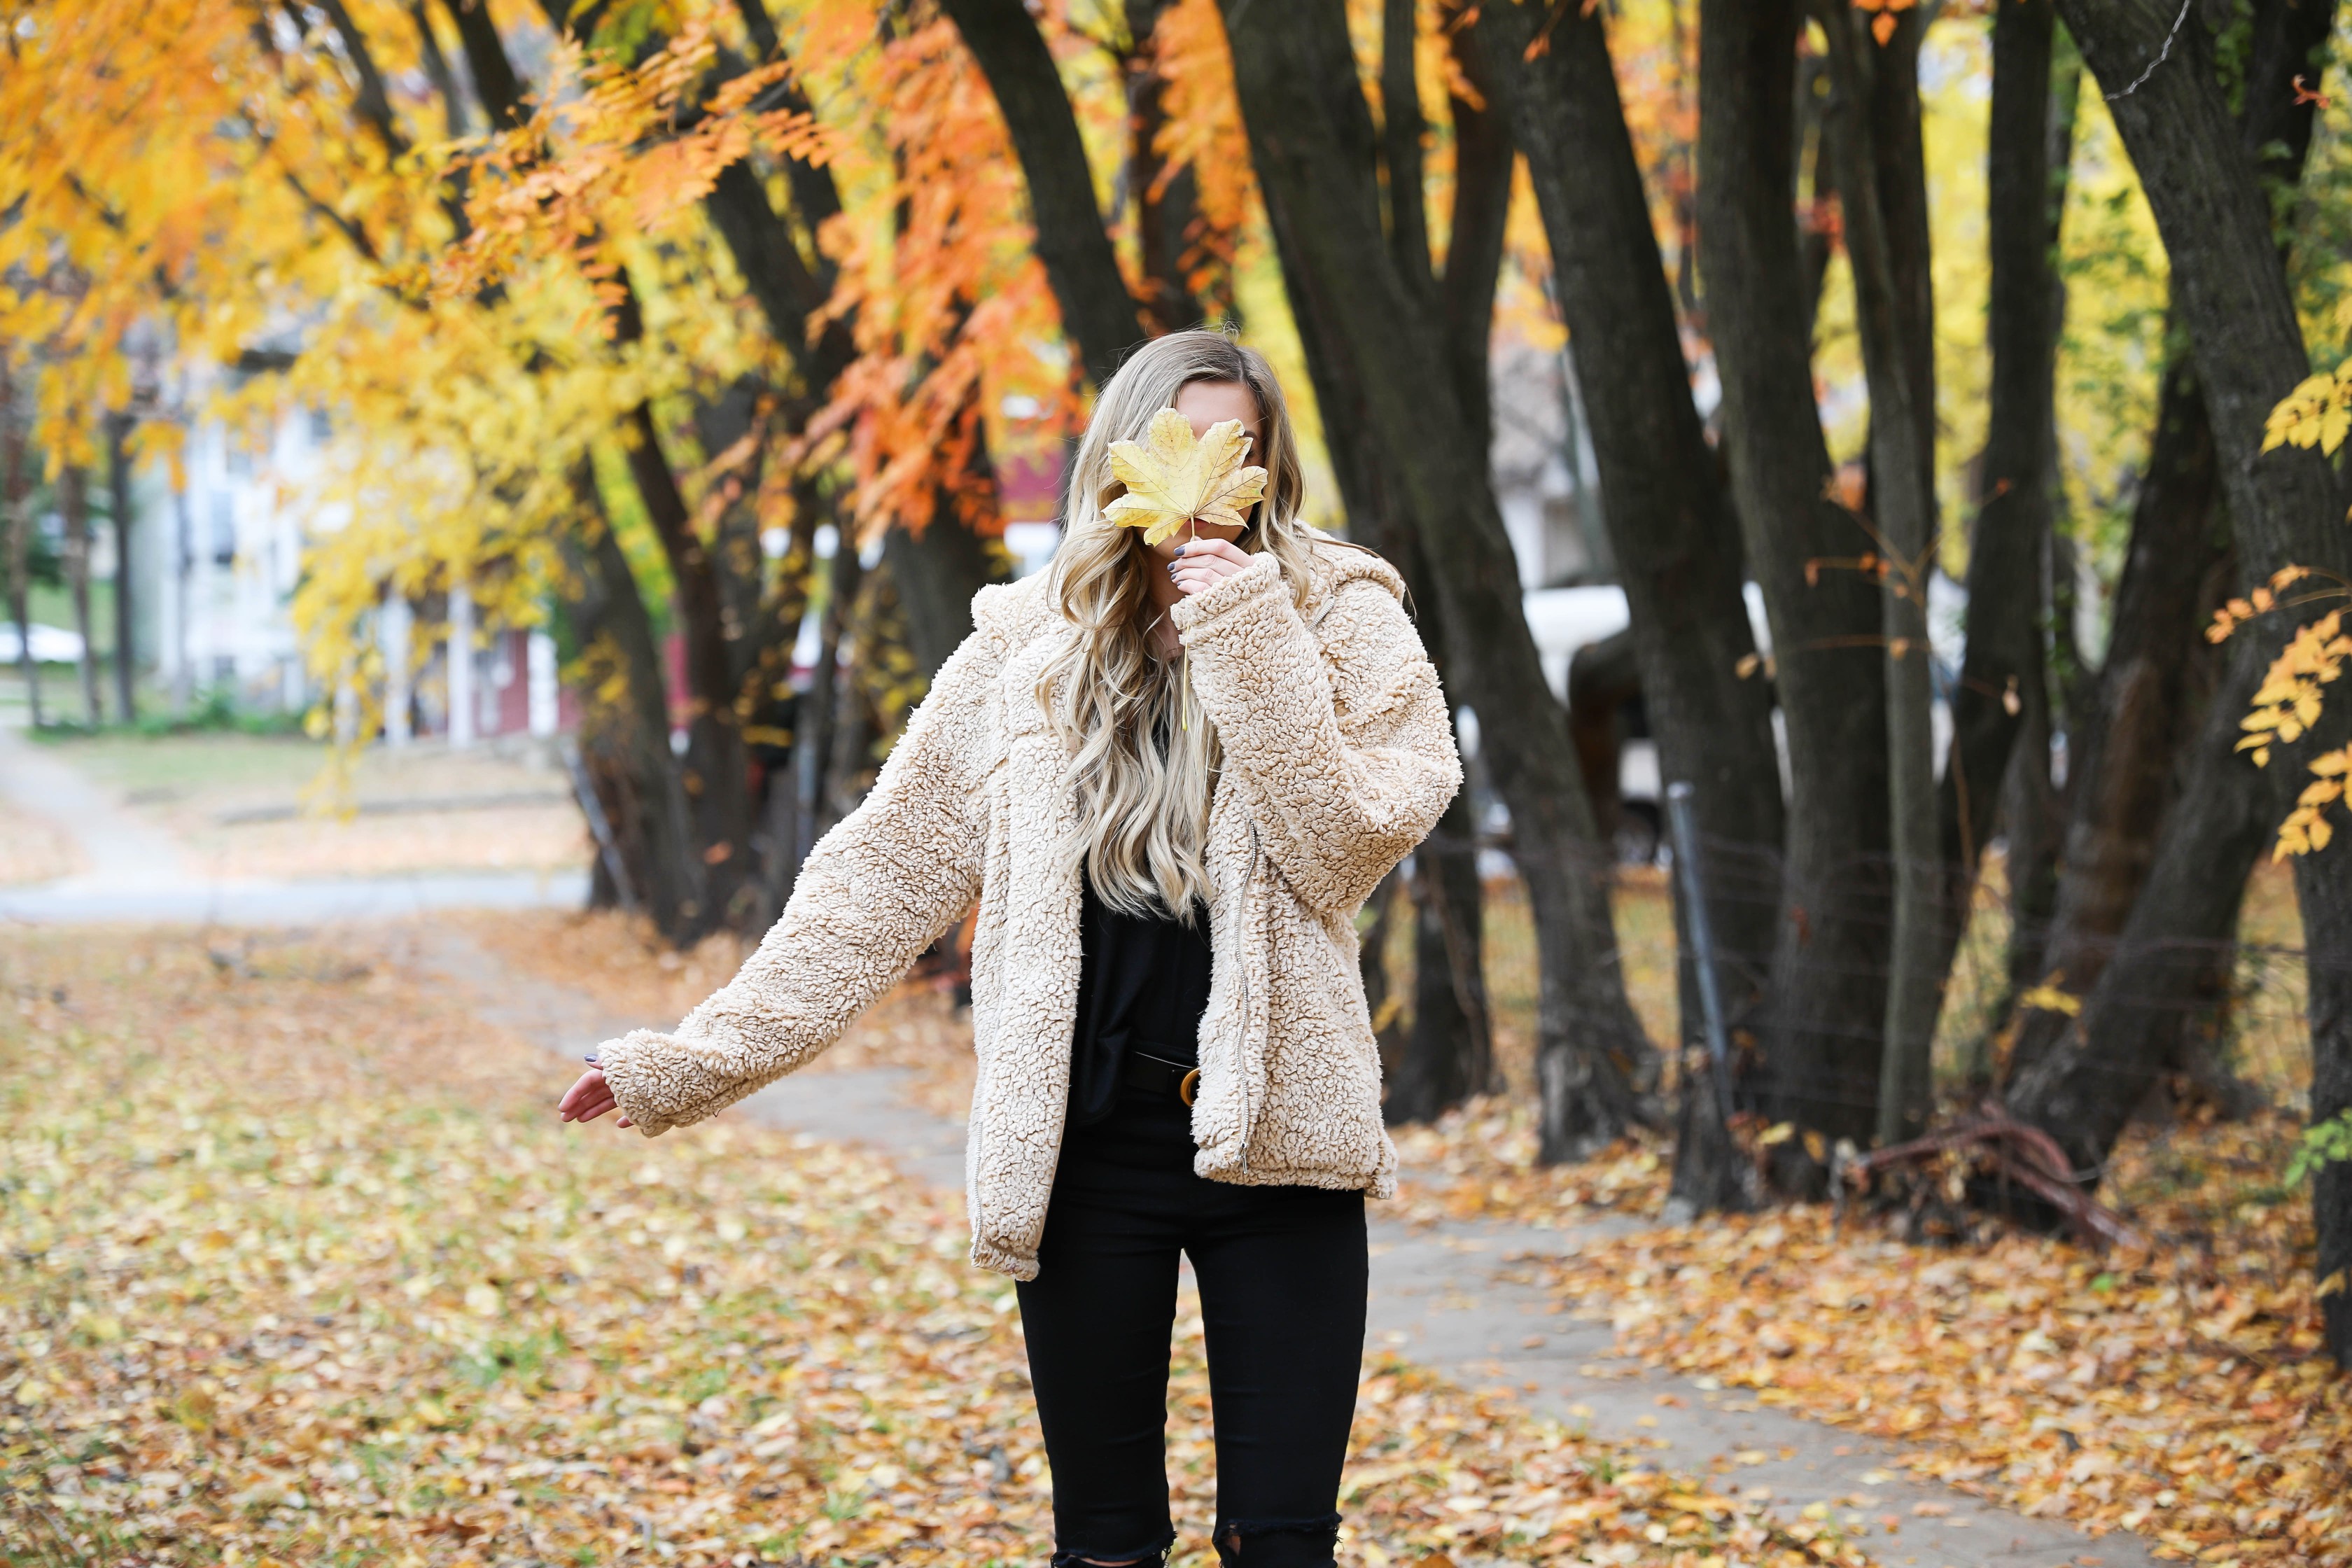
(589, 1099)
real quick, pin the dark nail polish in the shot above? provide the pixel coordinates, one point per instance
(1179, 550)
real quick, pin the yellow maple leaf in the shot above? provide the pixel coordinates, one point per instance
(2048, 998)
(1177, 480)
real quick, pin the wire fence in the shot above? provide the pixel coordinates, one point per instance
(2238, 1003)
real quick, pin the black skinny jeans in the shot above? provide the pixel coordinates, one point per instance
(1282, 1272)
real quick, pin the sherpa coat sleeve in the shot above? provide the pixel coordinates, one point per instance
(1339, 733)
(875, 892)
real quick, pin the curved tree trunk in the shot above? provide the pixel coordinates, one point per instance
(73, 505)
(1315, 147)
(1447, 1056)
(2231, 293)
(2170, 966)
(2123, 781)
(2001, 673)
(1097, 307)
(1825, 1013)
(1902, 497)
(1670, 526)
(16, 520)
(117, 473)
(625, 745)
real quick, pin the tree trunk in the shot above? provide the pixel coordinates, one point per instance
(73, 503)
(1167, 201)
(17, 518)
(2170, 964)
(118, 433)
(2120, 761)
(1903, 501)
(1097, 309)
(813, 737)
(1379, 1004)
(2024, 200)
(1670, 526)
(715, 776)
(625, 743)
(1448, 1055)
(2034, 822)
(1826, 1012)
(2123, 776)
(1314, 145)
(937, 571)
(2230, 288)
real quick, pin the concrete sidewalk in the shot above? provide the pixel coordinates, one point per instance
(1455, 1298)
(138, 873)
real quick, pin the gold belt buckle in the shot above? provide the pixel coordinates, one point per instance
(1187, 1086)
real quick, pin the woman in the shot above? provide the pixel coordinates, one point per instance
(1171, 1035)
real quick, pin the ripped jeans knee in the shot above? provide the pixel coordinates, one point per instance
(1278, 1542)
(1152, 1556)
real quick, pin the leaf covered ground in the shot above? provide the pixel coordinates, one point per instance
(2180, 1394)
(296, 1266)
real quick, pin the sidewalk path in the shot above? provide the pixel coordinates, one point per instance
(137, 872)
(1457, 1300)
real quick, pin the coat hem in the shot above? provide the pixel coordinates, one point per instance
(1003, 1259)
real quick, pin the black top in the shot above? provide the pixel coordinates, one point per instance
(1142, 983)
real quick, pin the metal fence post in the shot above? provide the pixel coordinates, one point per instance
(1702, 938)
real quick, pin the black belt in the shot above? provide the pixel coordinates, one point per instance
(1157, 1074)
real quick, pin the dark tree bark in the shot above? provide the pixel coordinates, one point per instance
(1899, 156)
(939, 568)
(625, 745)
(2024, 200)
(817, 738)
(1483, 161)
(1316, 152)
(936, 572)
(2231, 293)
(1448, 1054)
(1379, 1004)
(1825, 1016)
(1097, 309)
(117, 477)
(17, 518)
(2170, 964)
(505, 100)
(2122, 780)
(1670, 526)
(1902, 497)
(73, 505)
(715, 776)
(1167, 202)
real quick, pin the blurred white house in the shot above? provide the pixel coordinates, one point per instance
(217, 556)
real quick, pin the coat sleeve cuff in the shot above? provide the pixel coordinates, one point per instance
(1262, 576)
(652, 1079)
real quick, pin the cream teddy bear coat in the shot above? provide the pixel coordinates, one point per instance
(1339, 756)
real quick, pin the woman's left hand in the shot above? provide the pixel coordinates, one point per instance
(1203, 563)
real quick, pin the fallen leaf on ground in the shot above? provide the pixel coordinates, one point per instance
(297, 1266)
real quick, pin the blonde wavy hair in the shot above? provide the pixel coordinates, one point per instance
(1144, 769)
